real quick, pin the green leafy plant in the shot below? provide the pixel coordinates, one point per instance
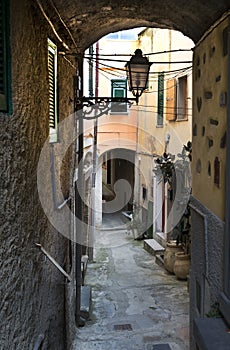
(183, 231)
(214, 311)
(165, 167)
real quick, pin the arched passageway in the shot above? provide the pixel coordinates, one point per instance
(82, 23)
(32, 288)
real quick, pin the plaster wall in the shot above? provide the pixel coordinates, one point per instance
(32, 290)
(151, 137)
(209, 119)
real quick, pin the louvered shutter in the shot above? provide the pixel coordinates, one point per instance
(160, 100)
(52, 77)
(52, 92)
(171, 99)
(3, 61)
(118, 89)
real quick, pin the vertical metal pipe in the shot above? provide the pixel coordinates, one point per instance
(91, 71)
(95, 162)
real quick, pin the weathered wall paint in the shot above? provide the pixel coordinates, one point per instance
(209, 120)
(32, 289)
(208, 201)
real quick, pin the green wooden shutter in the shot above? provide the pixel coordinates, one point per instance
(119, 89)
(52, 92)
(52, 77)
(4, 73)
(160, 104)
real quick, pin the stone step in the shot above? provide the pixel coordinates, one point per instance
(153, 247)
(86, 299)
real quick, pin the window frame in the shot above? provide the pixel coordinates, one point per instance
(181, 102)
(122, 108)
(177, 99)
(53, 131)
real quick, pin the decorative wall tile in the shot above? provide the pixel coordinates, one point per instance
(199, 103)
(223, 99)
(223, 141)
(194, 130)
(213, 121)
(208, 95)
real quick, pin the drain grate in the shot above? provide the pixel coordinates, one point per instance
(123, 327)
(161, 347)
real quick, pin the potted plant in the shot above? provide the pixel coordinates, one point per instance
(178, 244)
(182, 259)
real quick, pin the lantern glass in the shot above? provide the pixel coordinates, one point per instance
(137, 70)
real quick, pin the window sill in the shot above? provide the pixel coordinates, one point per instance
(177, 120)
(159, 126)
(181, 120)
(119, 113)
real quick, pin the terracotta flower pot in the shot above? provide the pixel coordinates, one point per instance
(169, 256)
(182, 265)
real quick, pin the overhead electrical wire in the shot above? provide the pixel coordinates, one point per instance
(124, 70)
(187, 109)
(63, 22)
(154, 112)
(124, 61)
(147, 54)
(182, 70)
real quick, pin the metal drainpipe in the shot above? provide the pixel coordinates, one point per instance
(91, 71)
(95, 161)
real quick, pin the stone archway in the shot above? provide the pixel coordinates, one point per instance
(82, 23)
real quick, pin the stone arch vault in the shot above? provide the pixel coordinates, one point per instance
(82, 23)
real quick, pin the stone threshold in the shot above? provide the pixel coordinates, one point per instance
(211, 334)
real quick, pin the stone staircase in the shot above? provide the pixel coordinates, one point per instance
(156, 249)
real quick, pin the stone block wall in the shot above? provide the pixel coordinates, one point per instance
(32, 290)
(206, 275)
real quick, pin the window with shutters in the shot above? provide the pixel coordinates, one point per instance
(52, 75)
(182, 98)
(171, 99)
(5, 101)
(118, 89)
(160, 99)
(176, 99)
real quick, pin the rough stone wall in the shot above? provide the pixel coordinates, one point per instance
(32, 290)
(206, 276)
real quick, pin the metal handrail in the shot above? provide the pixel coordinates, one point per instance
(39, 342)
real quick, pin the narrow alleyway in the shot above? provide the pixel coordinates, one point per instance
(136, 304)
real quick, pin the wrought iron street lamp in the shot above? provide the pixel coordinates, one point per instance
(137, 70)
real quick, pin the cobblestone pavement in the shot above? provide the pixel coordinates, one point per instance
(136, 304)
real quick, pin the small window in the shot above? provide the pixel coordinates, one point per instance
(182, 98)
(52, 75)
(118, 89)
(4, 58)
(160, 103)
